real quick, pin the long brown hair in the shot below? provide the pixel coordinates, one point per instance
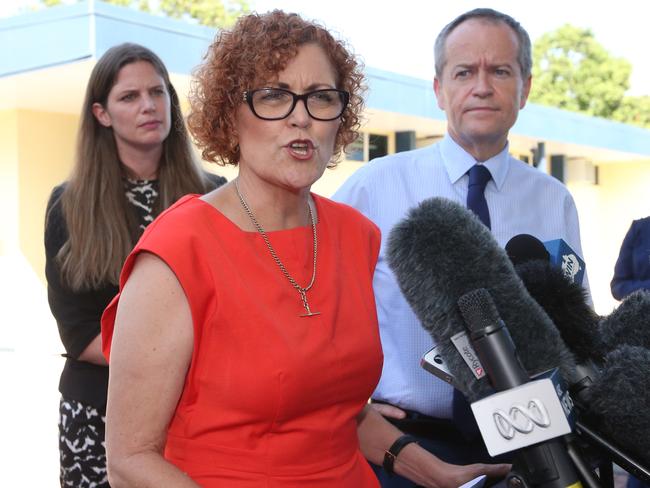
(100, 221)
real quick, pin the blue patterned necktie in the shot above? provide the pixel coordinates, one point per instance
(479, 176)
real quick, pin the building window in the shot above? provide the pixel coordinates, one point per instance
(356, 150)
(367, 147)
(377, 146)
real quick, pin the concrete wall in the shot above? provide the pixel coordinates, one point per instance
(46, 150)
(606, 212)
(35, 153)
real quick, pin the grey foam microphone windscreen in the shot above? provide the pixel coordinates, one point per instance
(629, 323)
(441, 251)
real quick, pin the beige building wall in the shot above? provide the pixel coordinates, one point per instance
(46, 150)
(8, 182)
(35, 154)
(606, 212)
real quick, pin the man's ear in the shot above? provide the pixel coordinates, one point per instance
(439, 94)
(101, 115)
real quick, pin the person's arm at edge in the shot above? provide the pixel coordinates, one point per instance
(624, 282)
(93, 352)
(150, 355)
(376, 435)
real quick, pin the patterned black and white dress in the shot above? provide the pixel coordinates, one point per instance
(82, 422)
(142, 194)
(81, 425)
(83, 385)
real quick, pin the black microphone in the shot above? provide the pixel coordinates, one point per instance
(524, 247)
(565, 302)
(491, 340)
(441, 251)
(629, 323)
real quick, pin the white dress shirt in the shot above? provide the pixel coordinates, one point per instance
(521, 200)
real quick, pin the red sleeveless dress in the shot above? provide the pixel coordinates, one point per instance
(271, 398)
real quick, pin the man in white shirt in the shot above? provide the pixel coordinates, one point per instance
(483, 77)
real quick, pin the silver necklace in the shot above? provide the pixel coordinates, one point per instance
(301, 290)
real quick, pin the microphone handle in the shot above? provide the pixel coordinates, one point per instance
(545, 465)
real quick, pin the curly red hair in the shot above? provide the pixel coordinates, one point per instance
(254, 51)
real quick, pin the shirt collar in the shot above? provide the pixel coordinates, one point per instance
(457, 162)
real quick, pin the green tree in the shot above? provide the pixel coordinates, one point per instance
(634, 110)
(573, 71)
(213, 13)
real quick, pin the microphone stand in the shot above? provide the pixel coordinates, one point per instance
(613, 455)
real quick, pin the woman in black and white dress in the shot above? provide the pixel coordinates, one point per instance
(133, 160)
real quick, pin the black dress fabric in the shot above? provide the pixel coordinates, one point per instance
(78, 313)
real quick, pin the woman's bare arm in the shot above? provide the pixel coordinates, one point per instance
(376, 435)
(150, 355)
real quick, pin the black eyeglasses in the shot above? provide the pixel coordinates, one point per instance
(278, 103)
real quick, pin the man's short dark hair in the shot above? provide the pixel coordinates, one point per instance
(524, 56)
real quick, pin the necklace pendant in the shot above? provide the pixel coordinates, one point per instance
(309, 314)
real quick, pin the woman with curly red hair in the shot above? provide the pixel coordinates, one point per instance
(244, 343)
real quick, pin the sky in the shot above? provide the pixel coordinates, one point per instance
(398, 36)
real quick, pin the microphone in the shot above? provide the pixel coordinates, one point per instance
(491, 339)
(564, 300)
(524, 247)
(617, 404)
(611, 399)
(441, 251)
(629, 323)
(565, 258)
